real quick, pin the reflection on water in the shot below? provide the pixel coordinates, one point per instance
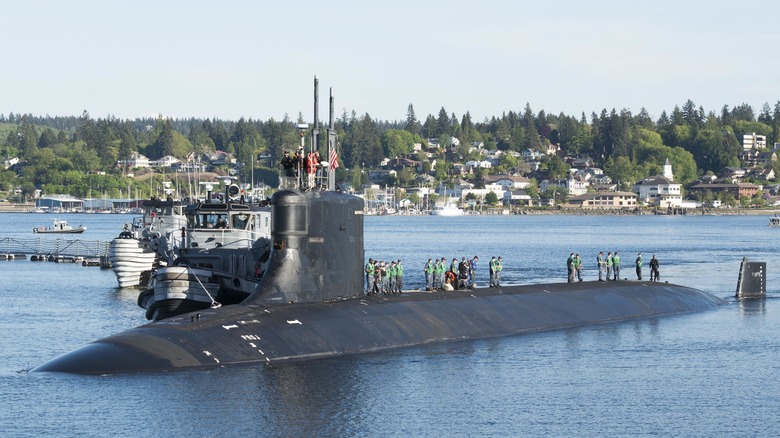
(752, 306)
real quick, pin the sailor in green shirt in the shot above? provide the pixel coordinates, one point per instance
(577, 264)
(602, 265)
(391, 277)
(441, 268)
(570, 268)
(492, 271)
(429, 268)
(369, 276)
(399, 276)
(616, 265)
(638, 264)
(499, 268)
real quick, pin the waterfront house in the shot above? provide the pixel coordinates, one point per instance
(604, 200)
(660, 190)
(508, 182)
(737, 190)
(516, 197)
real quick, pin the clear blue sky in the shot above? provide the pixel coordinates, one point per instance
(233, 59)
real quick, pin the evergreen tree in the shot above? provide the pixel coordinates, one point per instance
(531, 140)
(775, 124)
(164, 143)
(766, 114)
(28, 137)
(743, 112)
(467, 129)
(412, 125)
(429, 127)
(443, 124)
(48, 138)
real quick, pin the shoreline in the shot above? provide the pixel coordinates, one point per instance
(721, 211)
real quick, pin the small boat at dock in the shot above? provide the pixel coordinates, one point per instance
(59, 226)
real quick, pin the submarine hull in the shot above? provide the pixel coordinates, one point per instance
(253, 334)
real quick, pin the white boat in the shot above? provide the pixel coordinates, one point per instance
(137, 248)
(220, 261)
(59, 226)
(774, 222)
(449, 209)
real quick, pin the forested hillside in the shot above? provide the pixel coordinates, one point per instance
(70, 154)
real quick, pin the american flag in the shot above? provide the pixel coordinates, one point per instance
(334, 160)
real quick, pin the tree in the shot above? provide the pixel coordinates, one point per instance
(442, 170)
(715, 150)
(556, 168)
(48, 138)
(531, 139)
(557, 194)
(622, 171)
(491, 198)
(443, 125)
(396, 143)
(163, 144)
(412, 125)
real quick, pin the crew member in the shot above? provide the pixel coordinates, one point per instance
(601, 264)
(289, 169)
(299, 158)
(428, 269)
(454, 270)
(312, 162)
(570, 268)
(369, 276)
(492, 270)
(473, 272)
(616, 266)
(609, 265)
(391, 277)
(463, 274)
(499, 268)
(655, 275)
(638, 264)
(442, 268)
(399, 276)
(577, 262)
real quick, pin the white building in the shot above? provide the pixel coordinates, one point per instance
(753, 141)
(660, 190)
(508, 182)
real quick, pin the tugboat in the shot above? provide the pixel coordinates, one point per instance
(136, 249)
(222, 256)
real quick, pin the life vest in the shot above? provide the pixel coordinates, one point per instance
(311, 163)
(449, 277)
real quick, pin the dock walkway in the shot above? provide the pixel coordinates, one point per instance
(54, 247)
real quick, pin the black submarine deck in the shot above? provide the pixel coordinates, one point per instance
(247, 334)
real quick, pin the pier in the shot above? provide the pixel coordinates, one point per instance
(39, 248)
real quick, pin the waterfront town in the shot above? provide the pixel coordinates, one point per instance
(470, 186)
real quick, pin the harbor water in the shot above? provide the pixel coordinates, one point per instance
(709, 374)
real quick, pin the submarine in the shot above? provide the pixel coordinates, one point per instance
(310, 304)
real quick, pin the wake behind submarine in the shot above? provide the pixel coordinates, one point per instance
(310, 305)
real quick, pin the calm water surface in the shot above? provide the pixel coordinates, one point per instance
(709, 374)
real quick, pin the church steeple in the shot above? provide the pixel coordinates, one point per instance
(667, 172)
